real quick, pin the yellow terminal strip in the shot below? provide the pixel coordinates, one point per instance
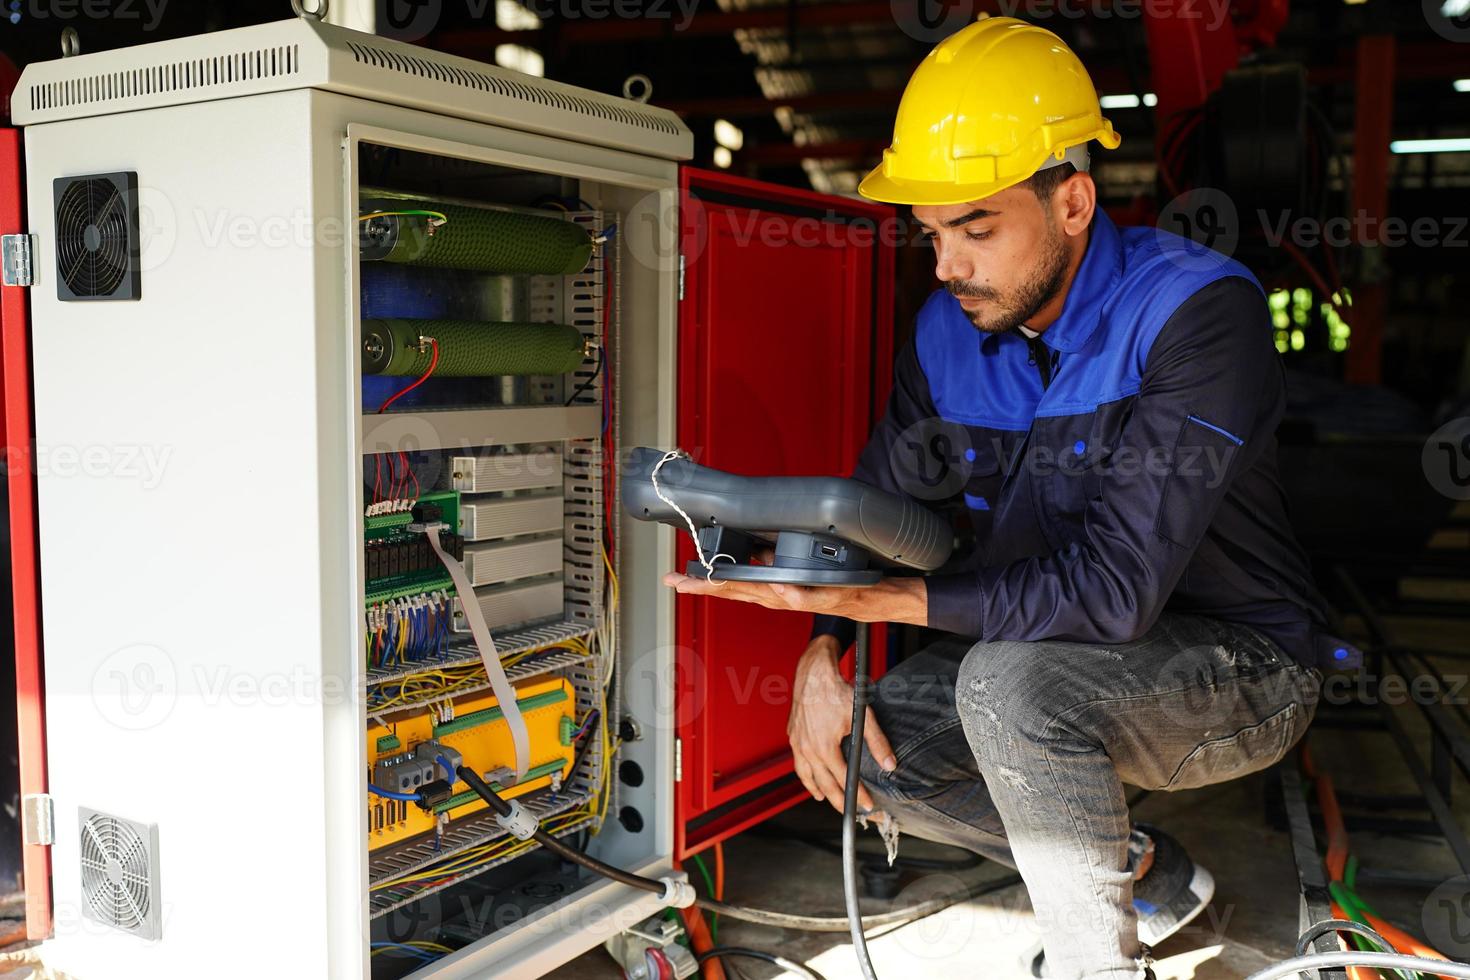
(479, 733)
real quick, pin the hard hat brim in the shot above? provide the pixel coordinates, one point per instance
(878, 186)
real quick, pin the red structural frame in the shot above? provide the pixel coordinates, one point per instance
(770, 387)
(15, 374)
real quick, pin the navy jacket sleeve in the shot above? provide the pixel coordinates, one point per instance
(1211, 393)
(886, 451)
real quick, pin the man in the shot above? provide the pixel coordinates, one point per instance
(1104, 404)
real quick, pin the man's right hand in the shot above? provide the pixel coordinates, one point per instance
(821, 715)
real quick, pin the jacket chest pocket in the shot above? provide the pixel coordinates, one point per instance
(982, 468)
(1071, 458)
(1099, 449)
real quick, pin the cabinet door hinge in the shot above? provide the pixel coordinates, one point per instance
(15, 258)
(681, 277)
(37, 819)
(678, 760)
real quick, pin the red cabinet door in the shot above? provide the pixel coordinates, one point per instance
(15, 415)
(785, 358)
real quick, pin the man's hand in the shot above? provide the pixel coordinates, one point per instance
(892, 600)
(821, 714)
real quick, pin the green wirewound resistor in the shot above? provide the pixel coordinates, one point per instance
(468, 349)
(476, 239)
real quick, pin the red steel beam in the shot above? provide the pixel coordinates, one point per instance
(1189, 59)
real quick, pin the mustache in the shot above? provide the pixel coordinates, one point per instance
(969, 290)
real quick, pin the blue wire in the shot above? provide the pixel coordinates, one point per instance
(426, 955)
(389, 794)
(453, 777)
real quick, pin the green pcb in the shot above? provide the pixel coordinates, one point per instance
(388, 529)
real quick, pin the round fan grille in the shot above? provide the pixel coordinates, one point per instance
(115, 879)
(92, 237)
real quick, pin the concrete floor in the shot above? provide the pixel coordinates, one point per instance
(1251, 923)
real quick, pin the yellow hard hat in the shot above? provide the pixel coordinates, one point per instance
(987, 108)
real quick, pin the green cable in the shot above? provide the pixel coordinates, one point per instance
(1350, 878)
(1357, 909)
(709, 883)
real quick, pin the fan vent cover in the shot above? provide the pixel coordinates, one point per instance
(119, 861)
(97, 237)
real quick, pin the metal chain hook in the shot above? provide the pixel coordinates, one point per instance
(319, 13)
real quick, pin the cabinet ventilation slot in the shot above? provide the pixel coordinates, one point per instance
(242, 66)
(482, 82)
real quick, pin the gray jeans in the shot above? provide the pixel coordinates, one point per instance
(1019, 752)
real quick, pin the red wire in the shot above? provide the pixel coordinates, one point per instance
(609, 443)
(408, 467)
(377, 476)
(433, 363)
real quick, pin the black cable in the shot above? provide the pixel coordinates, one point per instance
(790, 966)
(840, 923)
(586, 744)
(473, 781)
(825, 843)
(860, 695)
(588, 383)
(1305, 940)
(808, 923)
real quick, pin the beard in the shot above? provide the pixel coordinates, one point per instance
(1042, 285)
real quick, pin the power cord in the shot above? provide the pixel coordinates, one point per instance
(861, 695)
(1388, 961)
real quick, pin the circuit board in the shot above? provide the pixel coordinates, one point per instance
(479, 733)
(399, 562)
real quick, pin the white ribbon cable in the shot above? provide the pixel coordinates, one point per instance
(485, 643)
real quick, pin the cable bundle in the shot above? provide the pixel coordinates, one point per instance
(408, 629)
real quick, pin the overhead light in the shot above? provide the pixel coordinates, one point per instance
(516, 57)
(729, 135)
(1456, 145)
(511, 16)
(723, 157)
(1462, 85)
(1128, 101)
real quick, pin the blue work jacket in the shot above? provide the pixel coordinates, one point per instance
(1121, 463)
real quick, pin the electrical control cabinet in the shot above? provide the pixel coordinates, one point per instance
(316, 319)
(294, 283)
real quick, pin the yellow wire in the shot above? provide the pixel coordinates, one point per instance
(468, 860)
(403, 214)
